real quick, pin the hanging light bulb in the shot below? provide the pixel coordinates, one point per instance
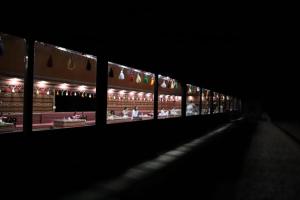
(121, 75)
(82, 94)
(48, 92)
(90, 96)
(67, 94)
(75, 94)
(37, 92)
(13, 90)
(57, 93)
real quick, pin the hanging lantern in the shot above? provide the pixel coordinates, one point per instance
(152, 80)
(121, 75)
(163, 85)
(1, 47)
(176, 84)
(111, 72)
(71, 65)
(138, 79)
(88, 66)
(146, 79)
(172, 84)
(190, 90)
(50, 61)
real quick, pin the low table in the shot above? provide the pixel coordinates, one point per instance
(7, 127)
(64, 123)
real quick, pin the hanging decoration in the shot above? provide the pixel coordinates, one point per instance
(190, 90)
(172, 84)
(1, 47)
(163, 85)
(175, 84)
(71, 65)
(152, 80)
(121, 75)
(13, 89)
(138, 78)
(50, 62)
(146, 79)
(111, 72)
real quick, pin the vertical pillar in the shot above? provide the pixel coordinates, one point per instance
(28, 88)
(156, 85)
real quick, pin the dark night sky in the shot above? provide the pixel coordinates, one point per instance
(247, 54)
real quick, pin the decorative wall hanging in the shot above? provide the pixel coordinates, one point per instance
(50, 61)
(146, 79)
(121, 75)
(152, 80)
(88, 66)
(163, 85)
(138, 79)
(71, 65)
(175, 84)
(111, 72)
(190, 90)
(172, 84)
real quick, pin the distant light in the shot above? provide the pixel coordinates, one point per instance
(14, 81)
(81, 88)
(63, 86)
(132, 93)
(110, 91)
(122, 92)
(141, 93)
(90, 56)
(42, 84)
(62, 49)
